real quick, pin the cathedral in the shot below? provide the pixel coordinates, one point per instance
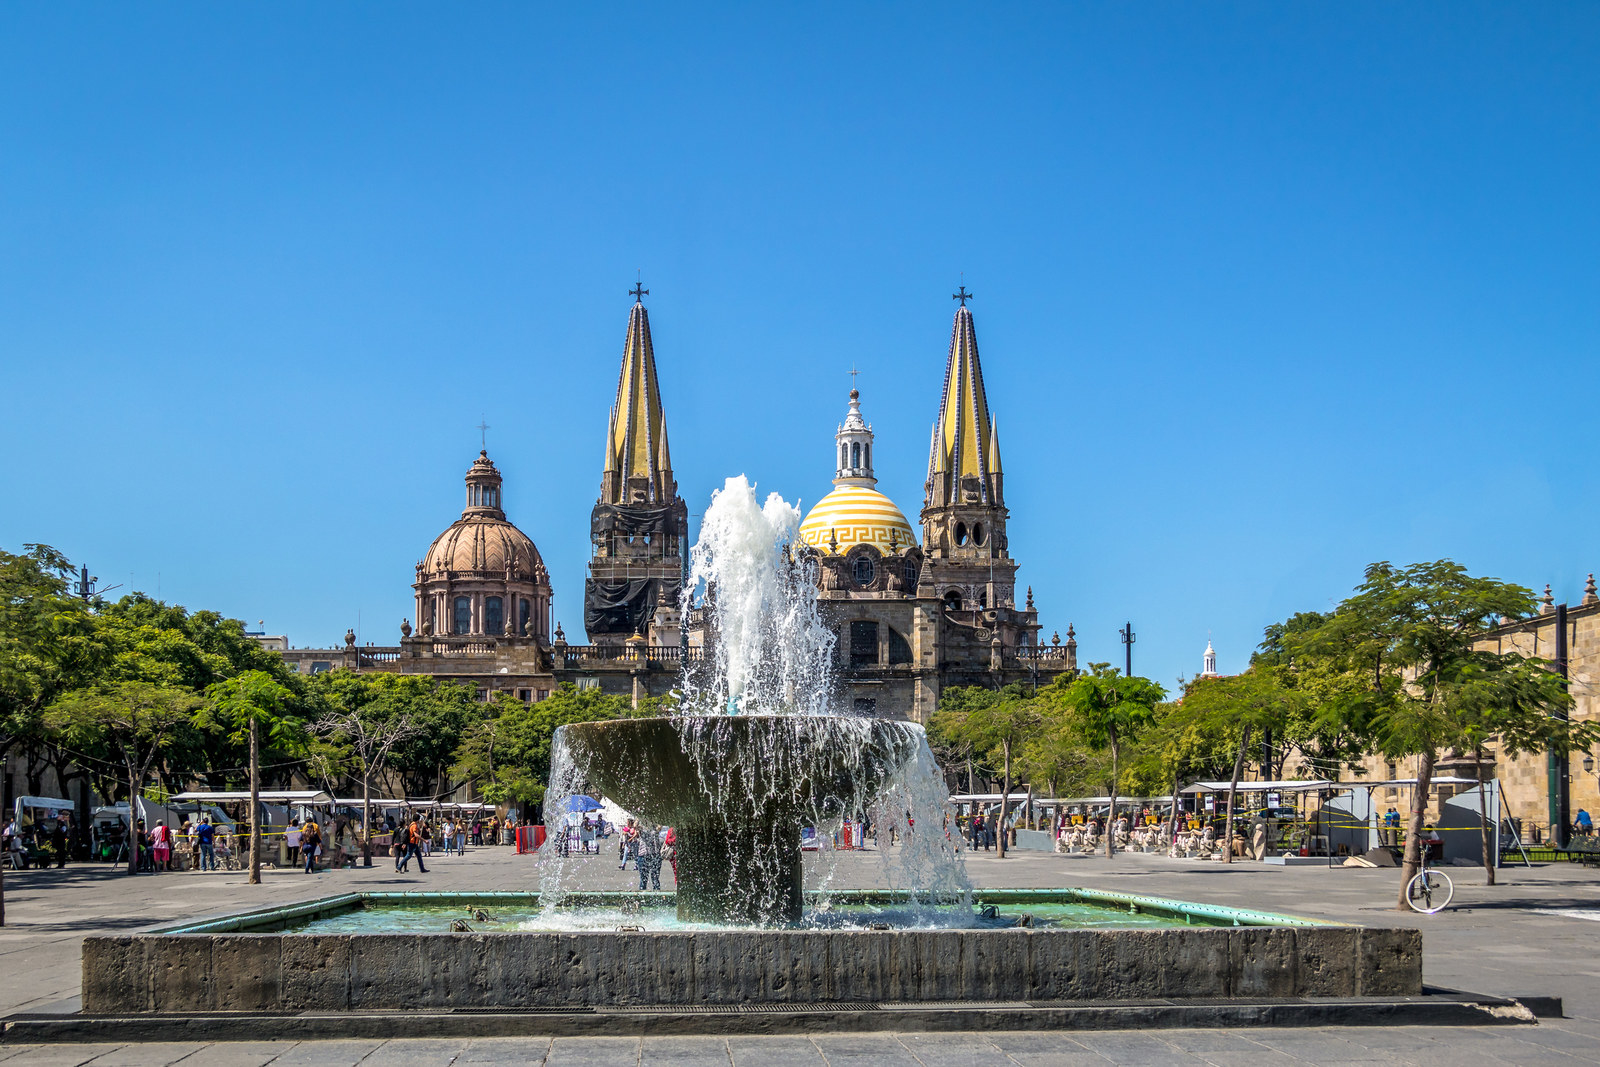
(912, 616)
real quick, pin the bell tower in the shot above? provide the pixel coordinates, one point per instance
(963, 508)
(639, 528)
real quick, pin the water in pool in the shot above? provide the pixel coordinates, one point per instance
(408, 919)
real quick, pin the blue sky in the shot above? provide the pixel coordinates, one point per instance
(1265, 292)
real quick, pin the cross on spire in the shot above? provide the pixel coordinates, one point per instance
(638, 292)
(483, 433)
(853, 373)
(962, 296)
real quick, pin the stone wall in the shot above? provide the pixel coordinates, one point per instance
(301, 972)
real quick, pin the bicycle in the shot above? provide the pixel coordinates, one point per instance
(1430, 890)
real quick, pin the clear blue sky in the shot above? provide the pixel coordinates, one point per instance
(1265, 292)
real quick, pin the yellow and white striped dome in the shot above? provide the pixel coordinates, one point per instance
(857, 515)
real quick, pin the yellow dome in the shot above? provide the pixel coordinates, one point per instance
(856, 515)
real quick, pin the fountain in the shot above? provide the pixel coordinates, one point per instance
(759, 756)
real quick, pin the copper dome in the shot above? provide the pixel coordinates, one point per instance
(482, 544)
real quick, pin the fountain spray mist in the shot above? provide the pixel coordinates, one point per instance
(768, 651)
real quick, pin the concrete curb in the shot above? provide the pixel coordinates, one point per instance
(1437, 1009)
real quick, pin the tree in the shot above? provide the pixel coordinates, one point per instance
(371, 736)
(1410, 635)
(997, 724)
(135, 721)
(525, 735)
(252, 705)
(1237, 706)
(1109, 711)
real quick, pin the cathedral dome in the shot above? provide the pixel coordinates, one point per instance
(483, 544)
(854, 515)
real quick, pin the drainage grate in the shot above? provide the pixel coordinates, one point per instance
(539, 1010)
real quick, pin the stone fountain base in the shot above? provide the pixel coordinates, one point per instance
(737, 789)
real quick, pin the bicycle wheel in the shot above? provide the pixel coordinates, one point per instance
(1429, 892)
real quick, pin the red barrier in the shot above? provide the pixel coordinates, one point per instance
(529, 838)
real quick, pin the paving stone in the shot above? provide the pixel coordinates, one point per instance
(61, 1055)
(153, 1052)
(954, 1050)
(237, 1054)
(327, 1054)
(774, 1052)
(684, 1052)
(593, 1052)
(862, 1050)
(523, 1050)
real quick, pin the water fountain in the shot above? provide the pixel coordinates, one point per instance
(759, 754)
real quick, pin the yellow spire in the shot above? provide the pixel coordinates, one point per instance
(965, 444)
(637, 460)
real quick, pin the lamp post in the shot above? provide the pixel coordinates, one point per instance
(1128, 638)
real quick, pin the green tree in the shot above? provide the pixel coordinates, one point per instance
(1236, 707)
(255, 705)
(525, 736)
(1409, 636)
(995, 724)
(1109, 712)
(134, 720)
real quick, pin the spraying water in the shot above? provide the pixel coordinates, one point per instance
(769, 652)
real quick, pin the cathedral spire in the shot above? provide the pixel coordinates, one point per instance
(966, 448)
(638, 467)
(854, 441)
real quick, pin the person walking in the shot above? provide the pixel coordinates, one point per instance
(649, 858)
(311, 844)
(58, 840)
(161, 846)
(461, 838)
(205, 836)
(417, 833)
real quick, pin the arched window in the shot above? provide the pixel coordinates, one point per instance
(844, 456)
(961, 533)
(524, 613)
(952, 600)
(494, 616)
(864, 569)
(911, 572)
(461, 623)
(866, 454)
(899, 647)
(977, 533)
(855, 455)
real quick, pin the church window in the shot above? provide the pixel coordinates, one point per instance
(961, 533)
(855, 455)
(863, 644)
(864, 570)
(462, 622)
(844, 456)
(911, 572)
(983, 600)
(524, 612)
(977, 533)
(866, 455)
(494, 616)
(899, 647)
(952, 600)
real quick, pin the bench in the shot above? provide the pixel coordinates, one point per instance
(1580, 850)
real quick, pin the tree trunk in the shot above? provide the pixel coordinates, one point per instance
(255, 804)
(133, 823)
(1005, 802)
(1111, 816)
(1483, 815)
(970, 790)
(366, 820)
(1419, 810)
(1233, 790)
(1172, 825)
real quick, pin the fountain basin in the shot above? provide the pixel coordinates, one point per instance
(737, 789)
(252, 962)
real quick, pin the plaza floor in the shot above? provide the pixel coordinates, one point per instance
(1536, 933)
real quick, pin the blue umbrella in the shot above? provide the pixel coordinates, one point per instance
(580, 802)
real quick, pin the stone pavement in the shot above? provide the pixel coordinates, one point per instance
(1534, 934)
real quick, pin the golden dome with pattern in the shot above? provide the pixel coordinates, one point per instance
(854, 515)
